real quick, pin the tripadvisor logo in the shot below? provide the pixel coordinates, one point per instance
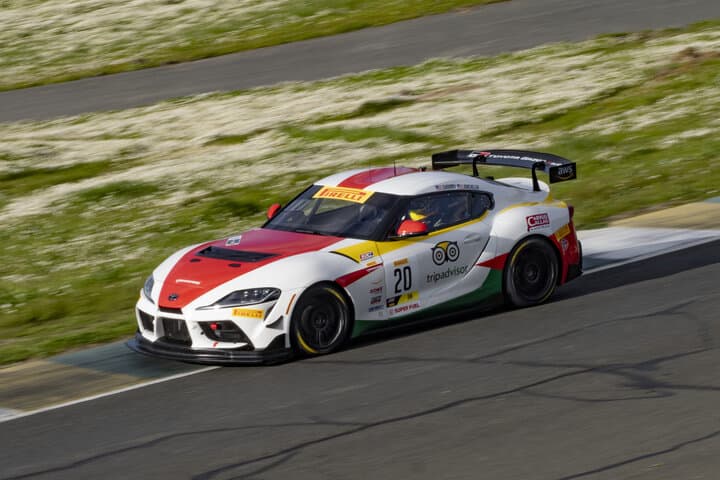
(445, 252)
(449, 273)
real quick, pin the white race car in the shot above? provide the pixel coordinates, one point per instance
(363, 250)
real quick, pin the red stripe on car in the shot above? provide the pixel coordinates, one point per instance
(374, 175)
(497, 263)
(353, 277)
(194, 275)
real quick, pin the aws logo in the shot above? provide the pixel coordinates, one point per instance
(445, 252)
(560, 173)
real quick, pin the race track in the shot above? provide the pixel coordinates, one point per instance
(616, 378)
(497, 28)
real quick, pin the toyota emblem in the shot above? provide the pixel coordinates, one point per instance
(173, 296)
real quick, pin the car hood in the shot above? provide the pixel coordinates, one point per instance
(211, 264)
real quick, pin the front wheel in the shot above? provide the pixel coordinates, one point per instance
(531, 274)
(321, 321)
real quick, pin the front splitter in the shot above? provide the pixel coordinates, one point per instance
(205, 356)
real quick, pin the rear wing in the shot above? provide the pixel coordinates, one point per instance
(559, 169)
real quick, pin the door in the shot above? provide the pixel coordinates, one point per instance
(422, 271)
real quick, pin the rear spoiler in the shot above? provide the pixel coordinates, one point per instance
(559, 169)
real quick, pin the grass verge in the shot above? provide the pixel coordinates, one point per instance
(49, 41)
(78, 234)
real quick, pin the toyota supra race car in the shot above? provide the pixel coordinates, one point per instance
(363, 250)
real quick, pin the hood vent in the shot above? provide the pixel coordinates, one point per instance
(233, 255)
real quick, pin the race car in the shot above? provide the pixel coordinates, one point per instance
(364, 250)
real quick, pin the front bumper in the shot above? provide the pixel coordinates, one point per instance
(183, 353)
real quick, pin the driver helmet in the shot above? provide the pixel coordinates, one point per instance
(420, 210)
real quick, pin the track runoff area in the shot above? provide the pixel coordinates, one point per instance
(38, 386)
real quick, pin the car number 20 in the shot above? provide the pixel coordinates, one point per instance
(403, 279)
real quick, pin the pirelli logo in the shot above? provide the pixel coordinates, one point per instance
(248, 312)
(342, 193)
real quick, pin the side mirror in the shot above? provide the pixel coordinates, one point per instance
(273, 209)
(412, 228)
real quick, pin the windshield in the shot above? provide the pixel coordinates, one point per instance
(337, 211)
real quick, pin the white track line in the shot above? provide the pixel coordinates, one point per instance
(7, 415)
(19, 414)
(657, 253)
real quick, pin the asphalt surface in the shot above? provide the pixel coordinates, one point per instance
(489, 30)
(616, 378)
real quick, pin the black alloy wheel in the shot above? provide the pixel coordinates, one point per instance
(321, 321)
(531, 273)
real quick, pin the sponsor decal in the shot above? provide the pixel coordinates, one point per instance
(505, 156)
(405, 308)
(248, 312)
(449, 273)
(565, 172)
(564, 244)
(191, 282)
(404, 298)
(563, 232)
(366, 256)
(445, 252)
(560, 172)
(376, 308)
(535, 222)
(233, 241)
(375, 300)
(342, 193)
(402, 261)
(457, 186)
(375, 290)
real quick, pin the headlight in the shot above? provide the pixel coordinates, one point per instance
(250, 296)
(147, 288)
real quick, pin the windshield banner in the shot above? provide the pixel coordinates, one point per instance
(342, 193)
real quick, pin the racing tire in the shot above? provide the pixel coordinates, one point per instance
(321, 321)
(531, 273)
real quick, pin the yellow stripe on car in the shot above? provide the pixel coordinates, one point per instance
(563, 232)
(548, 201)
(381, 248)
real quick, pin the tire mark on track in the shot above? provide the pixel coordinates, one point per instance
(638, 458)
(284, 455)
(295, 449)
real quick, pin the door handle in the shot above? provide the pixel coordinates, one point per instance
(475, 238)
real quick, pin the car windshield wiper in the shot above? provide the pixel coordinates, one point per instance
(312, 232)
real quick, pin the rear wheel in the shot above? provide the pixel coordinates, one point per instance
(321, 321)
(531, 273)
